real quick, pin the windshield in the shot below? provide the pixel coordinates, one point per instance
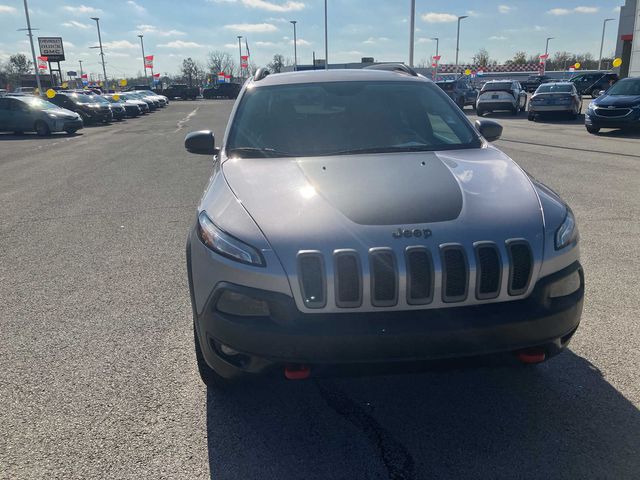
(347, 117)
(446, 86)
(99, 99)
(82, 99)
(551, 88)
(625, 87)
(496, 86)
(38, 103)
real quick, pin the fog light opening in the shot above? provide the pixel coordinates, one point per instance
(228, 350)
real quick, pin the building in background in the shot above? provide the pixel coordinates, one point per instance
(627, 41)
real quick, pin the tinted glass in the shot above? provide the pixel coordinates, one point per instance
(625, 87)
(496, 86)
(447, 86)
(347, 117)
(80, 98)
(37, 103)
(551, 88)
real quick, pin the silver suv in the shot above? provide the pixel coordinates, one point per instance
(501, 95)
(357, 217)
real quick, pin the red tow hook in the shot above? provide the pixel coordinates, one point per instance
(297, 372)
(531, 355)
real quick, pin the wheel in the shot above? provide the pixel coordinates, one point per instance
(524, 106)
(593, 93)
(479, 112)
(208, 375)
(531, 117)
(515, 110)
(18, 132)
(41, 128)
(71, 131)
(591, 129)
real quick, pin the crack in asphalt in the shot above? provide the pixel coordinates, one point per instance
(395, 456)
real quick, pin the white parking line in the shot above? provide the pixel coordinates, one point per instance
(181, 123)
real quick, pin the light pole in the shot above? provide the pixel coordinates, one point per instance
(144, 61)
(412, 31)
(295, 46)
(546, 54)
(33, 51)
(326, 39)
(604, 25)
(104, 70)
(81, 74)
(240, 50)
(435, 75)
(458, 42)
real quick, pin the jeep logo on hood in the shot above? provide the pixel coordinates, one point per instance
(412, 233)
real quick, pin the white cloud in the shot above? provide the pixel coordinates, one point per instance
(8, 9)
(181, 44)
(301, 42)
(230, 45)
(504, 8)
(289, 6)
(82, 10)
(433, 17)
(423, 40)
(119, 45)
(586, 9)
(74, 24)
(375, 40)
(263, 44)
(473, 13)
(139, 9)
(566, 11)
(152, 29)
(252, 27)
(497, 37)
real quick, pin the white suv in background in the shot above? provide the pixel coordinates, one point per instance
(501, 95)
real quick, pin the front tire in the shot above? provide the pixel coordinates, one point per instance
(593, 130)
(479, 112)
(42, 129)
(515, 110)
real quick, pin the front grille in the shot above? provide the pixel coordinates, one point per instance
(612, 112)
(415, 275)
(384, 278)
(419, 276)
(312, 279)
(488, 271)
(520, 266)
(348, 279)
(455, 274)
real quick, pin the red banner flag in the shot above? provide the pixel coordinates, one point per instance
(437, 57)
(84, 75)
(157, 75)
(244, 58)
(148, 61)
(42, 63)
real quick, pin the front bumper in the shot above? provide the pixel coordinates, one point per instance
(628, 121)
(394, 337)
(73, 124)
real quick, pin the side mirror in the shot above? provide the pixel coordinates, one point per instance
(600, 92)
(489, 129)
(201, 142)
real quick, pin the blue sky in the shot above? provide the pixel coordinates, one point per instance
(174, 30)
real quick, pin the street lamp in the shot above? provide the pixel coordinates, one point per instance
(144, 62)
(604, 25)
(546, 54)
(326, 39)
(458, 41)
(240, 50)
(412, 31)
(104, 70)
(33, 51)
(435, 75)
(295, 46)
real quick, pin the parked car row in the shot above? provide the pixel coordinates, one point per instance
(70, 110)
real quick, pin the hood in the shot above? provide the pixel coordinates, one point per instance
(359, 201)
(617, 100)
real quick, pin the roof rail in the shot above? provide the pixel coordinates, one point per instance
(260, 74)
(393, 67)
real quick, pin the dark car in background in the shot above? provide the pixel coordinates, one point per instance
(222, 90)
(32, 114)
(130, 98)
(131, 109)
(117, 108)
(592, 83)
(534, 81)
(91, 110)
(618, 107)
(460, 91)
(555, 98)
(181, 90)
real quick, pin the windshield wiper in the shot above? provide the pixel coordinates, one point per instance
(386, 149)
(258, 151)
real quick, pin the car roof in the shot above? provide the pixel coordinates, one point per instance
(558, 83)
(346, 75)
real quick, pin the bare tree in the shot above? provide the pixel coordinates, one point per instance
(520, 58)
(189, 71)
(277, 64)
(220, 61)
(481, 58)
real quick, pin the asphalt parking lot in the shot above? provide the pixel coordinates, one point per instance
(98, 372)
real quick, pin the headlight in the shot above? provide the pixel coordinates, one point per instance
(52, 115)
(591, 106)
(226, 245)
(568, 231)
(95, 105)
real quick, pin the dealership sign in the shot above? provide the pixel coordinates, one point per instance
(52, 48)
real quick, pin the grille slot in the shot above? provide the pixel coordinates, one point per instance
(419, 276)
(520, 266)
(488, 271)
(612, 112)
(384, 278)
(348, 279)
(312, 279)
(455, 274)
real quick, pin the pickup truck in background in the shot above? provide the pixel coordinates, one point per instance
(532, 83)
(222, 90)
(181, 90)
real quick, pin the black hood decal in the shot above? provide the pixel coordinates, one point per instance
(387, 190)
